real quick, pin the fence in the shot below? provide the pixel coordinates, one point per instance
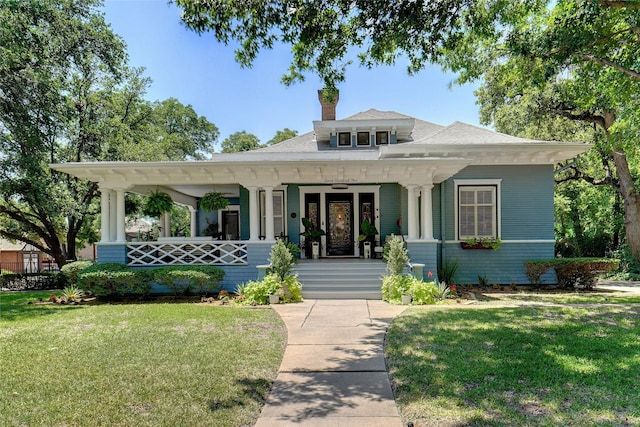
(28, 267)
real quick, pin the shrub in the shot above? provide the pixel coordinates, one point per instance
(396, 256)
(571, 272)
(72, 269)
(447, 272)
(425, 292)
(394, 286)
(181, 279)
(281, 260)
(257, 292)
(114, 280)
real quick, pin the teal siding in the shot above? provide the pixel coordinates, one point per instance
(293, 205)
(424, 253)
(435, 200)
(244, 213)
(526, 199)
(389, 205)
(503, 266)
(112, 253)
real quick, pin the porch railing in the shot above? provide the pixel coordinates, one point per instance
(187, 253)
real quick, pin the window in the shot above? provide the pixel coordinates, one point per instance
(382, 138)
(344, 139)
(478, 210)
(363, 138)
(278, 214)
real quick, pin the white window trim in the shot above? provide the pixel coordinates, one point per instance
(338, 139)
(368, 144)
(497, 183)
(388, 138)
(283, 189)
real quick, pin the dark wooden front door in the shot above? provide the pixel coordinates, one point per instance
(340, 233)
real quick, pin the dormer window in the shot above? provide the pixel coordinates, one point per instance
(344, 139)
(382, 138)
(363, 138)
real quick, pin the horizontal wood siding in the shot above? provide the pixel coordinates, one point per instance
(112, 253)
(503, 266)
(435, 201)
(526, 200)
(389, 209)
(293, 204)
(244, 213)
(424, 253)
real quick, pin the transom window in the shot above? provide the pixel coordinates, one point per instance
(363, 138)
(344, 139)
(382, 138)
(477, 211)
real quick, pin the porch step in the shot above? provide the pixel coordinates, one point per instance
(341, 278)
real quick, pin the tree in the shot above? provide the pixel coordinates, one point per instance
(67, 95)
(570, 42)
(282, 135)
(240, 141)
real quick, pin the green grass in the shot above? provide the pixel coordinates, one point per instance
(529, 366)
(135, 364)
(571, 298)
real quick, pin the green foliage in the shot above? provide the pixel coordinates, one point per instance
(571, 272)
(72, 294)
(282, 135)
(484, 242)
(239, 142)
(257, 292)
(181, 279)
(71, 270)
(397, 285)
(114, 280)
(213, 201)
(483, 281)
(368, 230)
(311, 233)
(442, 291)
(396, 256)
(156, 203)
(295, 251)
(447, 271)
(281, 260)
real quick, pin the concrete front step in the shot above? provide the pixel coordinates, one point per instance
(341, 279)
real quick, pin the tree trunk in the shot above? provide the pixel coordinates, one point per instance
(631, 203)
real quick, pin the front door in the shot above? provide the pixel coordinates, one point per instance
(340, 240)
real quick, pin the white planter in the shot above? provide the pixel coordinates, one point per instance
(274, 299)
(406, 299)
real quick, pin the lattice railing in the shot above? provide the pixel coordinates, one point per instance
(187, 253)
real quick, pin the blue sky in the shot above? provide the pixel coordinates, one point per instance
(198, 70)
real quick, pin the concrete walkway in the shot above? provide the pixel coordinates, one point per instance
(333, 372)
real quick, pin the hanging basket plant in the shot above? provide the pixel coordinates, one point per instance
(213, 201)
(156, 203)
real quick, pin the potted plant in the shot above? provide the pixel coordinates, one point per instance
(311, 234)
(368, 233)
(157, 203)
(213, 201)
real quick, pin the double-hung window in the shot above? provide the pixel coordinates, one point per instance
(477, 209)
(278, 214)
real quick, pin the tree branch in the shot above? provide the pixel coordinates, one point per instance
(607, 63)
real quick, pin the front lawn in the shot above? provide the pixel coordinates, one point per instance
(529, 366)
(135, 364)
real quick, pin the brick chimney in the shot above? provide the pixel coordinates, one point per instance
(328, 105)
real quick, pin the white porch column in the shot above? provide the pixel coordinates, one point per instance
(412, 212)
(427, 213)
(167, 224)
(268, 214)
(113, 213)
(105, 221)
(194, 228)
(120, 226)
(254, 220)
